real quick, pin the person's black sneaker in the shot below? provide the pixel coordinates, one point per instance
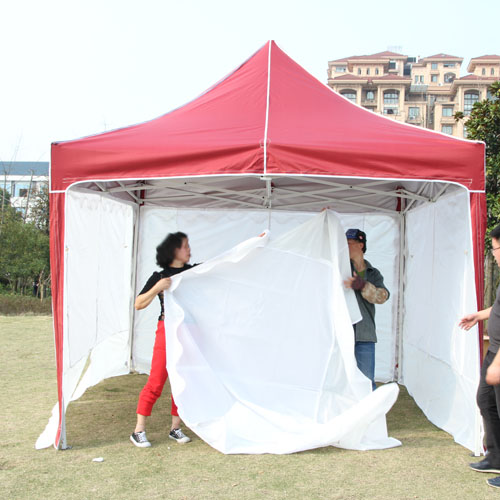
(140, 439)
(495, 482)
(179, 436)
(484, 466)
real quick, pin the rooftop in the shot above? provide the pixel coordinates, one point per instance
(442, 56)
(379, 55)
(38, 168)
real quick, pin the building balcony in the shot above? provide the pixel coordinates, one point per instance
(414, 120)
(448, 120)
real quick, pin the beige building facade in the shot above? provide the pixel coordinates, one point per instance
(426, 92)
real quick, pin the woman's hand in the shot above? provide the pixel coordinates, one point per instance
(163, 284)
(142, 301)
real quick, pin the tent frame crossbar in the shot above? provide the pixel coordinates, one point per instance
(400, 193)
(278, 194)
(407, 208)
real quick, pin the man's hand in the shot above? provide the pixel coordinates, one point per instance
(356, 282)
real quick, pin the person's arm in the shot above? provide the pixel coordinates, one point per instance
(467, 322)
(144, 299)
(493, 371)
(373, 293)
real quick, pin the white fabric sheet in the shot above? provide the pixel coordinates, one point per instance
(261, 349)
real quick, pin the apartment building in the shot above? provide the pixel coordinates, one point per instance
(425, 92)
(23, 180)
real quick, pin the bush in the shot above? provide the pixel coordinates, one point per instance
(13, 305)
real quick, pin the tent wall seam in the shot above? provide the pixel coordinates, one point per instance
(267, 106)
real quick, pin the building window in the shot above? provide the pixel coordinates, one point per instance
(20, 189)
(447, 129)
(483, 71)
(447, 111)
(449, 65)
(340, 69)
(370, 95)
(421, 78)
(490, 96)
(434, 65)
(392, 64)
(434, 78)
(413, 112)
(367, 71)
(449, 77)
(492, 72)
(376, 71)
(470, 98)
(359, 71)
(391, 101)
(349, 94)
(391, 97)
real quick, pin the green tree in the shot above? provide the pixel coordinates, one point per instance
(24, 250)
(483, 124)
(39, 209)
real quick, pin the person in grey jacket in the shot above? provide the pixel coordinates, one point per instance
(368, 285)
(488, 392)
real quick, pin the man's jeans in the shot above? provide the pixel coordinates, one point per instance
(365, 359)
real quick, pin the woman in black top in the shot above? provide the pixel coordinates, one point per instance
(172, 255)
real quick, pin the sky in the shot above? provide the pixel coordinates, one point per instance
(73, 68)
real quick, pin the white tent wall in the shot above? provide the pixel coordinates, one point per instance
(440, 365)
(98, 264)
(214, 231)
(97, 296)
(382, 251)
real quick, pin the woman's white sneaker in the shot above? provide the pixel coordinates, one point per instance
(179, 436)
(140, 439)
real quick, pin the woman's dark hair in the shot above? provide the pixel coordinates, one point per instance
(165, 251)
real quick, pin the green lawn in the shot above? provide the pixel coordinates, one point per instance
(429, 465)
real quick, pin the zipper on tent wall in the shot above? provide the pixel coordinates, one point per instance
(135, 245)
(401, 301)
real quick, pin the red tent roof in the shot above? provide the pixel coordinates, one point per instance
(269, 104)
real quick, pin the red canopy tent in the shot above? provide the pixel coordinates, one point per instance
(268, 135)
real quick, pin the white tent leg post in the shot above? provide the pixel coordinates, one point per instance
(401, 303)
(133, 287)
(63, 444)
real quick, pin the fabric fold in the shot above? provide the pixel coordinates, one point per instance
(260, 348)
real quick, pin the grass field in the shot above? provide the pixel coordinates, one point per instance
(429, 465)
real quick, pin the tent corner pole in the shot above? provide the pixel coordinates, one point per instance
(401, 301)
(133, 287)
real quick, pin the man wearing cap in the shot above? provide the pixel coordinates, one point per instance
(368, 285)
